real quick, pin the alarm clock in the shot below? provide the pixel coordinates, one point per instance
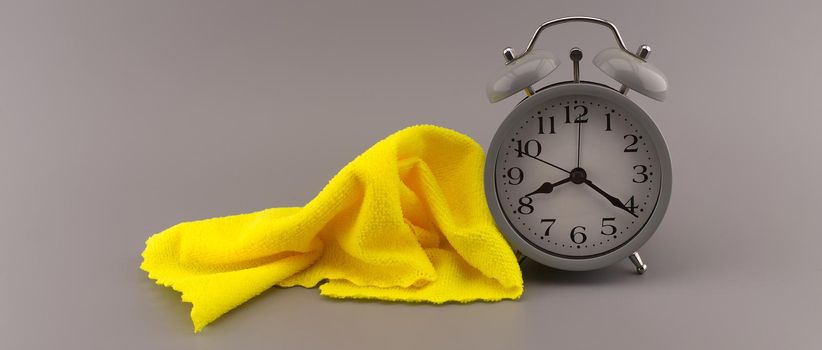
(578, 176)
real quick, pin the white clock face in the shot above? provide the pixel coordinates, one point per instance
(577, 177)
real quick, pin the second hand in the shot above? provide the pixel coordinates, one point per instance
(579, 138)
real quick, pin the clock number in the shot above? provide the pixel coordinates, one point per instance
(525, 206)
(578, 237)
(630, 205)
(612, 229)
(548, 229)
(542, 126)
(632, 147)
(607, 121)
(641, 169)
(583, 112)
(527, 148)
(515, 174)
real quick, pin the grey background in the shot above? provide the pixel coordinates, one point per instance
(119, 119)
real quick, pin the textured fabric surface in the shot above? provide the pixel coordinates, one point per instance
(405, 221)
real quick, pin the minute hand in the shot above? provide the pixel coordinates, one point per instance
(540, 160)
(614, 200)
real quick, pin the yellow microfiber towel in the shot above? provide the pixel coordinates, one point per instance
(405, 221)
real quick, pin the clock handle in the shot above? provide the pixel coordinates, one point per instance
(594, 20)
(637, 261)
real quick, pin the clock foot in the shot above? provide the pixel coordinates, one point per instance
(520, 257)
(637, 261)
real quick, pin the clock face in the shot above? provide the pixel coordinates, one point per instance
(577, 176)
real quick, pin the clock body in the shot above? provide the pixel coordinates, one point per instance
(612, 150)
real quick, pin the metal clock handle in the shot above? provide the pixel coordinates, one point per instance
(594, 20)
(642, 53)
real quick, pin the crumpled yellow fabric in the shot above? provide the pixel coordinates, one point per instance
(405, 221)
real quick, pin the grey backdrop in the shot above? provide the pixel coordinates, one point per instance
(119, 119)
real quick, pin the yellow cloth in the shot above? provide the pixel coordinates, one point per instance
(405, 221)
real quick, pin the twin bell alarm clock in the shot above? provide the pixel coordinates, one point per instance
(578, 177)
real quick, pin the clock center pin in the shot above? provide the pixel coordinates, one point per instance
(578, 175)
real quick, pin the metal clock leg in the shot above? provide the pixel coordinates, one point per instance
(520, 257)
(637, 260)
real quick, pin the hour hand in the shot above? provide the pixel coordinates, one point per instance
(548, 187)
(614, 200)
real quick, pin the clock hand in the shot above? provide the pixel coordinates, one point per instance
(530, 156)
(547, 187)
(579, 138)
(614, 200)
(576, 56)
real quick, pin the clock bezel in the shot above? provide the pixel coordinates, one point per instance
(507, 128)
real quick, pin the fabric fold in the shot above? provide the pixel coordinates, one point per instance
(405, 221)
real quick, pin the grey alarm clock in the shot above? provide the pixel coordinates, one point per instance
(578, 176)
